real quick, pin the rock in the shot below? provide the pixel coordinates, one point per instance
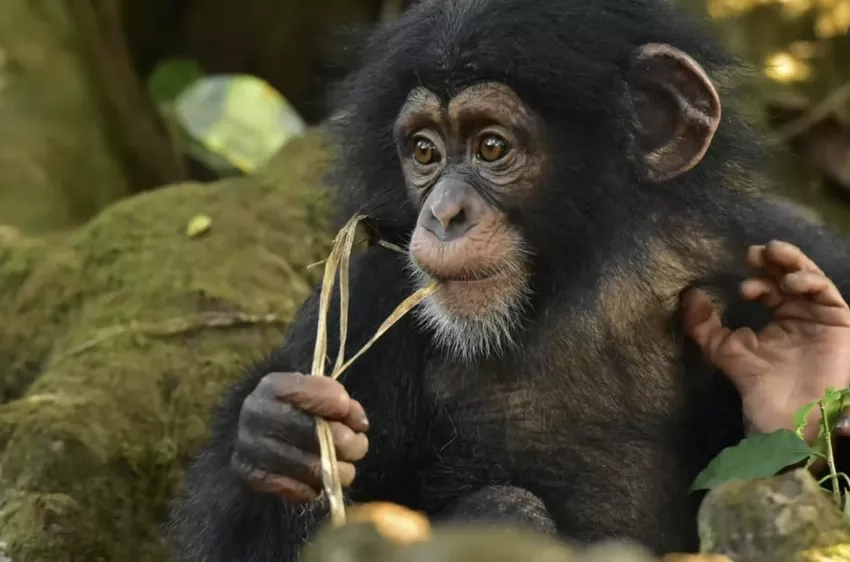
(471, 543)
(785, 518)
(615, 551)
(361, 541)
(118, 339)
(396, 523)
(352, 542)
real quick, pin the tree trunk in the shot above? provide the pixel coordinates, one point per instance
(56, 165)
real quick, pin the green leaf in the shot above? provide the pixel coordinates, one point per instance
(834, 404)
(757, 456)
(832, 394)
(171, 77)
(801, 417)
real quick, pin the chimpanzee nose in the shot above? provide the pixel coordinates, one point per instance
(450, 211)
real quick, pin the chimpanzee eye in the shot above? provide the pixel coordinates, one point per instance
(492, 148)
(425, 152)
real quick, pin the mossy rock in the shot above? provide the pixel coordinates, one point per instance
(463, 542)
(119, 338)
(785, 518)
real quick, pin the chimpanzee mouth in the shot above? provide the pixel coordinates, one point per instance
(467, 278)
(459, 280)
(472, 281)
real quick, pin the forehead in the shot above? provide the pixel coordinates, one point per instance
(468, 52)
(486, 101)
(564, 58)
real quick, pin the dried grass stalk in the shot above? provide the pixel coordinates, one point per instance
(338, 260)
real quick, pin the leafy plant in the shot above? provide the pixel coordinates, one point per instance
(764, 455)
(757, 456)
(171, 77)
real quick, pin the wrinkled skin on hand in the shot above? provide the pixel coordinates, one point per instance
(801, 352)
(277, 450)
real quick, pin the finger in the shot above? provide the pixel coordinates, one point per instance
(812, 315)
(264, 415)
(280, 486)
(702, 323)
(356, 418)
(283, 459)
(350, 446)
(788, 257)
(321, 396)
(267, 417)
(757, 259)
(301, 433)
(764, 290)
(814, 285)
(696, 310)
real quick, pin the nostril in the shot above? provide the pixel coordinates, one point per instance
(459, 218)
(448, 220)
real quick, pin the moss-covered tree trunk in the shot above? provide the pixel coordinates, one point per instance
(56, 165)
(122, 338)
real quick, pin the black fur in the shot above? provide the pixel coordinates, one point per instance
(577, 416)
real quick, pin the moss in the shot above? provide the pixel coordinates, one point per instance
(56, 165)
(123, 336)
(785, 518)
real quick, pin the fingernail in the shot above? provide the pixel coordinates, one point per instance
(843, 423)
(365, 422)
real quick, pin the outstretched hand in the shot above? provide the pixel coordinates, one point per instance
(801, 352)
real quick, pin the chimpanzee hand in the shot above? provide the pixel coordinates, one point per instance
(792, 361)
(277, 451)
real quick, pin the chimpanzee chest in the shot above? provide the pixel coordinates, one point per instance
(584, 394)
(558, 412)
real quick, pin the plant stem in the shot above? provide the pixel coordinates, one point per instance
(830, 458)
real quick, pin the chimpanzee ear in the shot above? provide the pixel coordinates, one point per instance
(676, 109)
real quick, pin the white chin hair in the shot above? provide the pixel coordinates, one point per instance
(469, 339)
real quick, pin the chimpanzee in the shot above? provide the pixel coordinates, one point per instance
(565, 169)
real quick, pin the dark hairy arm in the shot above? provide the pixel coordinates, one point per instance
(828, 248)
(220, 518)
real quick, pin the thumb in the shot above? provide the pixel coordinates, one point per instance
(702, 323)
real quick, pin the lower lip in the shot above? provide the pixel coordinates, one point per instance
(472, 282)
